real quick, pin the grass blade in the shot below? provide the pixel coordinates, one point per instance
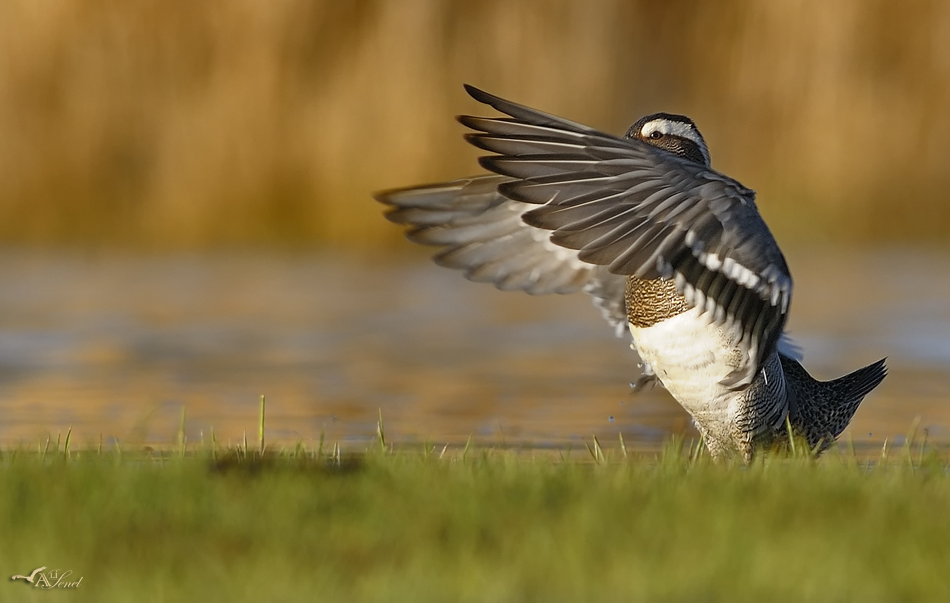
(468, 444)
(381, 432)
(260, 433)
(181, 433)
(69, 432)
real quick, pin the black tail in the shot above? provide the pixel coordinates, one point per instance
(820, 410)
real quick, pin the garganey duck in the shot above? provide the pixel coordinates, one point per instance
(670, 250)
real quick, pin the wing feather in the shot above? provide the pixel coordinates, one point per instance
(482, 233)
(639, 210)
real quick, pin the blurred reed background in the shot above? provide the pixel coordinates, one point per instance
(181, 124)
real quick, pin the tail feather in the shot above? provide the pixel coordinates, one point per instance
(820, 410)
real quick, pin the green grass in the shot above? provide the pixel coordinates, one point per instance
(315, 524)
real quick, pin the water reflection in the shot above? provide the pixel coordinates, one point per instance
(117, 345)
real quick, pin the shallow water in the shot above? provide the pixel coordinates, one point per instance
(116, 345)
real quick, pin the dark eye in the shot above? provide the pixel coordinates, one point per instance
(656, 135)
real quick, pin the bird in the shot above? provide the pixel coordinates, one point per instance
(31, 577)
(673, 253)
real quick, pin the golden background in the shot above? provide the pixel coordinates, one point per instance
(187, 124)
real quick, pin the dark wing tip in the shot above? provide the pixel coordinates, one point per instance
(468, 121)
(386, 196)
(396, 198)
(473, 138)
(511, 190)
(394, 210)
(488, 162)
(501, 105)
(478, 94)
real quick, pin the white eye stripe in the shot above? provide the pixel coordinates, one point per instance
(675, 128)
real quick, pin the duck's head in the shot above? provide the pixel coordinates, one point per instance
(676, 134)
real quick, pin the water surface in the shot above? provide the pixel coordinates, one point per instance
(116, 345)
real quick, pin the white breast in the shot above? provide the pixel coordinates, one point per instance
(691, 357)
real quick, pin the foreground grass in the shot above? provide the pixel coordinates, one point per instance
(483, 526)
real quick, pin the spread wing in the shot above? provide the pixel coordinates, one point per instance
(639, 210)
(482, 233)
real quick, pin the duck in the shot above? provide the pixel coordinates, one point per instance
(674, 253)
